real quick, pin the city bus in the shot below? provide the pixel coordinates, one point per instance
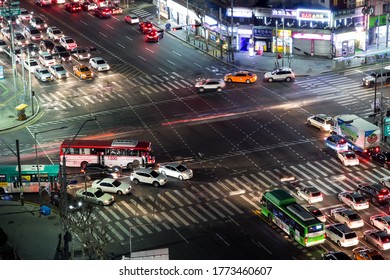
(9, 178)
(112, 153)
(281, 208)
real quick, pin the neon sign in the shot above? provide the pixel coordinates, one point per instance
(314, 15)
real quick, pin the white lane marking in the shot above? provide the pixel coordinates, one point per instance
(103, 34)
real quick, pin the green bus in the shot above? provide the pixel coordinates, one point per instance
(9, 178)
(281, 208)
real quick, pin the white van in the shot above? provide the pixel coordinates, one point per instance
(342, 235)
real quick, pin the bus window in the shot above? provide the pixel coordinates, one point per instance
(3, 178)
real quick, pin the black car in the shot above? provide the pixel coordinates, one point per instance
(382, 158)
(73, 7)
(72, 202)
(155, 35)
(33, 49)
(61, 53)
(377, 193)
(335, 256)
(46, 46)
(95, 171)
(103, 12)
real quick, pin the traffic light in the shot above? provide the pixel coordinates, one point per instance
(177, 28)
(196, 25)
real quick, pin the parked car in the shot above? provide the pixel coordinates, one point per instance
(354, 200)
(348, 158)
(96, 196)
(176, 170)
(321, 121)
(310, 194)
(281, 74)
(375, 192)
(380, 239)
(210, 85)
(148, 176)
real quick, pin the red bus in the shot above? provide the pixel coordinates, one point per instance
(122, 153)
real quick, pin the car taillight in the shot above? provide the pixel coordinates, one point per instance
(325, 235)
(306, 240)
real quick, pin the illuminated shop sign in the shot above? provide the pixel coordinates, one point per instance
(240, 12)
(309, 36)
(285, 13)
(258, 32)
(313, 15)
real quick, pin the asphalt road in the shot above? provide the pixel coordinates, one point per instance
(250, 135)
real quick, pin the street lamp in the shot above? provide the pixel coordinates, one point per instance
(37, 158)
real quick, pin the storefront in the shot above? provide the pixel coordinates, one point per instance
(282, 41)
(262, 38)
(311, 43)
(344, 44)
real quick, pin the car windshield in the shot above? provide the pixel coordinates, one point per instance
(33, 63)
(34, 31)
(84, 69)
(56, 31)
(359, 199)
(354, 217)
(45, 71)
(59, 68)
(39, 21)
(101, 61)
(154, 174)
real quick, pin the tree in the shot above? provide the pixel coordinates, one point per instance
(201, 9)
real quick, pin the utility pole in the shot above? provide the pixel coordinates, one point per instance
(232, 33)
(20, 173)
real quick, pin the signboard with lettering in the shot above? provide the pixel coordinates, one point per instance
(313, 15)
(261, 32)
(11, 11)
(387, 126)
(284, 13)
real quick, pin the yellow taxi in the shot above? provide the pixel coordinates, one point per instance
(83, 72)
(241, 77)
(362, 253)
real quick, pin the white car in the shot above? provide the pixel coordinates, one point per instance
(176, 170)
(210, 85)
(54, 33)
(99, 64)
(6, 33)
(111, 186)
(68, 43)
(354, 200)
(380, 239)
(31, 64)
(348, 158)
(38, 23)
(347, 216)
(96, 196)
(20, 40)
(386, 182)
(43, 74)
(24, 15)
(58, 71)
(46, 59)
(148, 176)
(132, 19)
(321, 121)
(281, 74)
(381, 222)
(310, 194)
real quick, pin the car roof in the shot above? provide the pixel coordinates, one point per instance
(108, 180)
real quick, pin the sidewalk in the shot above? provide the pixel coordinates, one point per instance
(30, 236)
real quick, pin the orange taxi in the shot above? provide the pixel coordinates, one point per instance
(83, 72)
(362, 253)
(241, 77)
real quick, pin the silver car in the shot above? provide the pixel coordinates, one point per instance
(176, 170)
(99, 64)
(43, 74)
(112, 186)
(281, 74)
(58, 71)
(210, 85)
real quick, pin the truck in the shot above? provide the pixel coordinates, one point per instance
(362, 136)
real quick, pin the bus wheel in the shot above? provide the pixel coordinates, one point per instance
(83, 164)
(129, 166)
(135, 163)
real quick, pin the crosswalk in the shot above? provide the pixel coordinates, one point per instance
(100, 92)
(223, 199)
(342, 89)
